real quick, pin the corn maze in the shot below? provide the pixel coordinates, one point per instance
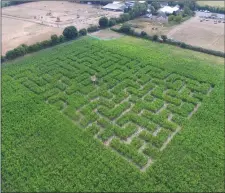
(133, 107)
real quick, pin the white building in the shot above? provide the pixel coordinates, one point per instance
(114, 6)
(116, 2)
(168, 9)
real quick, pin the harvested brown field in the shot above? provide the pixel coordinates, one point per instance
(205, 34)
(37, 21)
(212, 3)
(17, 32)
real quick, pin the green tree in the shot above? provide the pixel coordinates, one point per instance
(178, 18)
(171, 17)
(54, 39)
(183, 45)
(70, 32)
(164, 37)
(124, 17)
(153, 11)
(125, 28)
(92, 28)
(155, 37)
(61, 38)
(19, 51)
(83, 32)
(103, 22)
(138, 10)
(156, 5)
(143, 33)
(187, 11)
(112, 22)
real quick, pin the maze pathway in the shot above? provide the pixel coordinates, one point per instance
(134, 108)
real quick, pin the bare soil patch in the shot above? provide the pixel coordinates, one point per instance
(106, 34)
(212, 3)
(17, 32)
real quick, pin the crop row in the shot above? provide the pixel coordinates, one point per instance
(151, 151)
(33, 87)
(156, 141)
(160, 120)
(110, 129)
(184, 110)
(138, 120)
(129, 152)
(115, 112)
(151, 106)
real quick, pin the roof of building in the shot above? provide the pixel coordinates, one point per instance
(116, 2)
(168, 9)
(117, 6)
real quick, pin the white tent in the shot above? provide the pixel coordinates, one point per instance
(168, 9)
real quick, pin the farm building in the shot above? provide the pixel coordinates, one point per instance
(141, 1)
(116, 2)
(114, 7)
(169, 10)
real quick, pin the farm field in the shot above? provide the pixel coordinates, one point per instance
(212, 3)
(203, 34)
(151, 121)
(33, 22)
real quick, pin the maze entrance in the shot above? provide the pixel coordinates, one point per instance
(133, 107)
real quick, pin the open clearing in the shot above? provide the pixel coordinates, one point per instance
(212, 3)
(205, 34)
(147, 25)
(119, 115)
(30, 22)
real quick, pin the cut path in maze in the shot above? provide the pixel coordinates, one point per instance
(134, 108)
